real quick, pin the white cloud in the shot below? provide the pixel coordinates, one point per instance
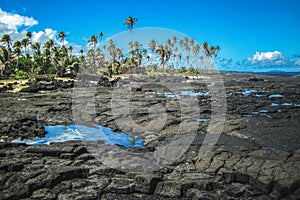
(267, 57)
(297, 62)
(14, 21)
(43, 36)
(11, 23)
(262, 61)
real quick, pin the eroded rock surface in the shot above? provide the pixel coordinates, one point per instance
(256, 157)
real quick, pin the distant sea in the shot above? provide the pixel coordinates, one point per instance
(288, 70)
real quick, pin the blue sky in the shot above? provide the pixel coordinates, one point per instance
(246, 30)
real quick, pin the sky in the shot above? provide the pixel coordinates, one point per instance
(251, 33)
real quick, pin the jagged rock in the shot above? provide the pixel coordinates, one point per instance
(146, 183)
(121, 185)
(43, 194)
(240, 166)
(199, 195)
(169, 189)
(255, 79)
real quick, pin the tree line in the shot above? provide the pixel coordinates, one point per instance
(23, 59)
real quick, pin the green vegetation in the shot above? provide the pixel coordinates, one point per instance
(25, 59)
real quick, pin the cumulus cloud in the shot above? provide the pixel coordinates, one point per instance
(275, 57)
(43, 36)
(16, 26)
(262, 61)
(11, 22)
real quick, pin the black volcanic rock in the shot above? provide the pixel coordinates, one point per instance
(256, 157)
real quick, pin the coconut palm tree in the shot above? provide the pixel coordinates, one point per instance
(16, 55)
(25, 42)
(17, 44)
(70, 49)
(93, 41)
(49, 44)
(81, 52)
(196, 50)
(5, 61)
(101, 36)
(130, 22)
(162, 52)
(6, 39)
(62, 36)
(209, 52)
(174, 40)
(152, 45)
(29, 36)
(17, 51)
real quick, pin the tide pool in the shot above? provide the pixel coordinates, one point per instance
(61, 133)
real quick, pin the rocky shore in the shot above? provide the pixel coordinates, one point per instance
(256, 157)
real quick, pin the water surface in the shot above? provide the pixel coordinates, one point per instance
(61, 133)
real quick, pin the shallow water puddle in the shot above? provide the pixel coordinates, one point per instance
(60, 133)
(203, 120)
(246, 92)
(194, 94)
(261, 113)
(181, 94)
(275, 96)
(287, 104)
(260, 95)
(274, 104)
(275, 149)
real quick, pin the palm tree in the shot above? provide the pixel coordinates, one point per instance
(175, 40)
(152, 45)
(210, 51)
(29, 36)
(6, 39)
(49, 44)
(196, 50)
(130, 22)
(36, 47)
(101, 36)
(17, 54)
(81, 52)
(5, 67)
(17, 51)
(62, 36)
(162, 54)
(17, 44)
(25, 42)
(93, 41)
(70, 49)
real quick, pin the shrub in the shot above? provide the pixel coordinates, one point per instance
(20, 74)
